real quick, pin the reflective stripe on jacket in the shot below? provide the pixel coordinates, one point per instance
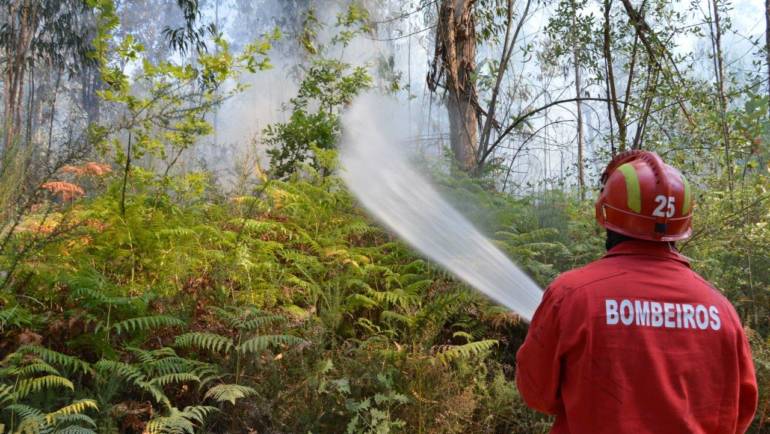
(637, 342)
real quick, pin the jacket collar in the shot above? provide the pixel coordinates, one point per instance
(655, 249)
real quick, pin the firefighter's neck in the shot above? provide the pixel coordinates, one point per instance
(614, 238)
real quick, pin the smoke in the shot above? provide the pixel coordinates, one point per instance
(377, 169)
(240, 121)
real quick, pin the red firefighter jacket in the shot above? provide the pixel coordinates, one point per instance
(637, 342)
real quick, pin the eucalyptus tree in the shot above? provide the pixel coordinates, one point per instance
(462, 27)
(767, 42)
(37, 34)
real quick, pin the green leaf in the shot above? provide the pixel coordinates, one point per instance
(229, 392)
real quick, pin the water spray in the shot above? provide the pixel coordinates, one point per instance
(378, 172)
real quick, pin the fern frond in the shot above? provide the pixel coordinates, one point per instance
(32, 385)
(100, 297)
(172, 424)
(396, 297)
(31, 420)
(146, 323)
(15, 316)
(419, 286)
(55, 358)
(455, 352)
(178, 232)
(258, 344)
(177, 377)
(123, 370)
(229, 392)
(6, 394)
(389, 315)
(233, 319)
(74, 419)
(261, 321)
(170, 365)
(76, 407)
(199, 413)
(143, 356)
(74, 429)
(360, 300)
(35, 368)
(205, 341)
(155, 391)
(179, 422)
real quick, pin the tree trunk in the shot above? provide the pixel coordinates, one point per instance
(456, 54)
(720, 77)
(612, 90)
(22, 15)
(767, 42)
(91, 82)
(576, 62)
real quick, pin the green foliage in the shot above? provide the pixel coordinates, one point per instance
(146, 323)
(31, 387)
(180, 421)
(229, 392)
(327, 86)
(171, 306)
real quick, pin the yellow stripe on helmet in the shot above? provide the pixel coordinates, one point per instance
(632, 187)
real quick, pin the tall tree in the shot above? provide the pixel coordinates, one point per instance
(33, 33)
(455, 60)
(767, 42)
(476, 132)
(719, 75)
(576, 64)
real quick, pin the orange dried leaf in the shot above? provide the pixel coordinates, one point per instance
(96, 169)
(67, 190)
(72, 169)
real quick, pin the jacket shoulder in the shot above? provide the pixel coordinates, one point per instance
(593, 272)
(719, 295)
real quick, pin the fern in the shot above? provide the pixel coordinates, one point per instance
(97, 296)
(261, 321)
(258, 344)
(31, 420)
(396, 297)
(75, 429)
(155, 391)
(123, 370)
(76, 407)
(172, 365)
(15, 316)
(6, 394)
(360, 300)
(28, 386)
(146, 323)
(205, 341)
(455, 352)
(35, 368)
(179, 422)
(55, 358)
(180, 377)
(229, 393)
(75, 418)
(389, 315)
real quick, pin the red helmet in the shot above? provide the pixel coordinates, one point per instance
(642, 197)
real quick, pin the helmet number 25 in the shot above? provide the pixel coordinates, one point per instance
(664, 203)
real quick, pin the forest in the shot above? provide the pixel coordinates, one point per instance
(180, 252)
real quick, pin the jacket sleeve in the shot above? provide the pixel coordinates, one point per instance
(538, 363)
(747, 401)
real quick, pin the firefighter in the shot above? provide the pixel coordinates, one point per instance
(637, 342)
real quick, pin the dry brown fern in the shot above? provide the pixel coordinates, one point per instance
(67, 190)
